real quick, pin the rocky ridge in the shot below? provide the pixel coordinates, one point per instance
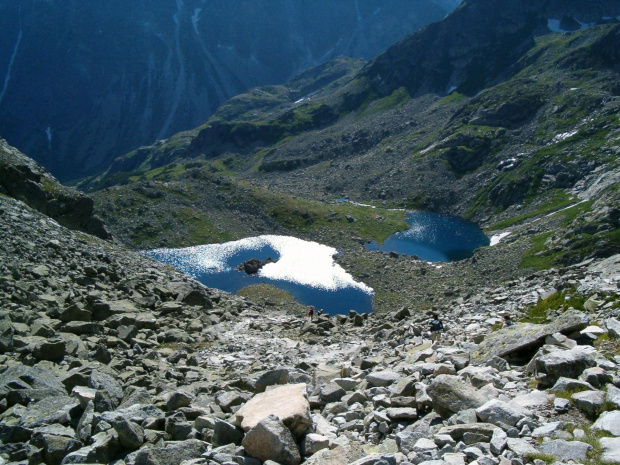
(109, 357)
(26, 180)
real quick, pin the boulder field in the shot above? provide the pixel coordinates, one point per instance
(109, 357)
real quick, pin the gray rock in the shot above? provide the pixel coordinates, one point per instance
(52, 350)
(259, 381)
(458, 431)
(6, 334)
(450, 395)
(84, 427)
(104, 449)
(348, 384)
(613, 396)
(521, 447)
(404, 387)
(171, 453)
(402, 413)
(547, 429)
(589, 402)
(499, 441)
(613, 327)
(596, 376)
(55, 447)
(501, 413)
(271, 440)
(609, 422)
(103, 382)
(313, 443)
(561, 405)
(178, 427)
(611, 450)
(179, 399)
(568, 384)
(24, 382)
(406, 439)
(563, 363)
(225, 433)
(566, 450)
(331, 392)
(382, 378)
(131, 435)
(523, 336)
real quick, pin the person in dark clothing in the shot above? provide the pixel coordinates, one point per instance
(508, 321)
(436, 328)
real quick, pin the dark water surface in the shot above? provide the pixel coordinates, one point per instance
(435, 238)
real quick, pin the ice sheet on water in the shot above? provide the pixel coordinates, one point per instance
(302, 262)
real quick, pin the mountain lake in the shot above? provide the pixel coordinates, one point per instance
(304, 269)
(307, 270)
(435, 238)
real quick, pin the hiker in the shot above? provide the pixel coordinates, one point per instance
(436, 328)
(508, 321)
(320, 312)
(311, 312)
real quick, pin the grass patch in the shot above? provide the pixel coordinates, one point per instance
(264, 293)
(396, 99)
(561, 301)
(534, 257)
(559, 200)
(547, 458)
(303, 215)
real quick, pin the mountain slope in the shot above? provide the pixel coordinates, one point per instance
(538, 136)
(84, 82)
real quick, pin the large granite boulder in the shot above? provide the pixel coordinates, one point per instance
(171, 452)
(501, 413)
(611, 450)
(450, 395)
(289, 403)
(575, 451)
(271, 440)
(563, 363)
(521, 337)
(608, 422)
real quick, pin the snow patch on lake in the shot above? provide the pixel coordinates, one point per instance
(302, 262)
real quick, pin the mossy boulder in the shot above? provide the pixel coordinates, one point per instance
(527, 337)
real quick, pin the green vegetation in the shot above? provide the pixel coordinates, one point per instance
(561, 199)
(302, 215)
(547, 458)
(561, 301)
(396, 99)
(266, 293)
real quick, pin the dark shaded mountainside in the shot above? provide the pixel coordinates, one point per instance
(83, 82)
(500, 113)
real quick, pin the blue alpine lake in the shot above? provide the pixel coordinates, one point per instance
(304, 269)
(435, 238)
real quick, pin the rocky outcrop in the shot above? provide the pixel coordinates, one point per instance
(523, 337)
(25, 180)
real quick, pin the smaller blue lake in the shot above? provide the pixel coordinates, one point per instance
(435, 238)
(304, 269)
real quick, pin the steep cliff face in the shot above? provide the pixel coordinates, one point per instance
(84, 82)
